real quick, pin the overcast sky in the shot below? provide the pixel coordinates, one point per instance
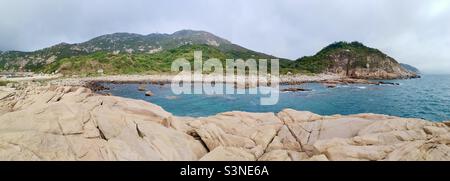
(412, 31)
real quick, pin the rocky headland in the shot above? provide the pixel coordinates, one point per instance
(55, 122)
(355, 60)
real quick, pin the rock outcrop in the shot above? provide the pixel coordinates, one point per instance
(73, 123)
(355, 60)
(70, 123)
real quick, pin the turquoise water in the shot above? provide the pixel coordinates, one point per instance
(427, 98)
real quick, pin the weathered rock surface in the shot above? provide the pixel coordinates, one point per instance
(69, 123)
(149, 93)
(252, 132)
(72, 123)
(368, 137)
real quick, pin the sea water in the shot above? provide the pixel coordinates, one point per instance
(426, 98)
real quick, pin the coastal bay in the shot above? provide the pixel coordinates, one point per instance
(425, 98)
(346, 102)
(50, 122)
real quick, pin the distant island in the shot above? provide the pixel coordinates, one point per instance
(411, 68)
(127, 53)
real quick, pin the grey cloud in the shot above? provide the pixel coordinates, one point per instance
(412, 31)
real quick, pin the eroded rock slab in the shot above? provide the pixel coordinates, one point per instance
(250, 131)
(73, 123)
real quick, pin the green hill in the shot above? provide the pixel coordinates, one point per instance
(353, 60)
(127, 53)
(137, 63)
(152, 46)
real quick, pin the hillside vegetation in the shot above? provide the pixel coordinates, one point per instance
(127, 53)
(136, 63)
(353, 60)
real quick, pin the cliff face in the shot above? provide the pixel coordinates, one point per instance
(371, 66)
(355, 60)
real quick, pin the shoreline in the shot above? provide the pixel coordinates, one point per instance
(164, 78)
(91, 82)
(328, 79)
(78, 124)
